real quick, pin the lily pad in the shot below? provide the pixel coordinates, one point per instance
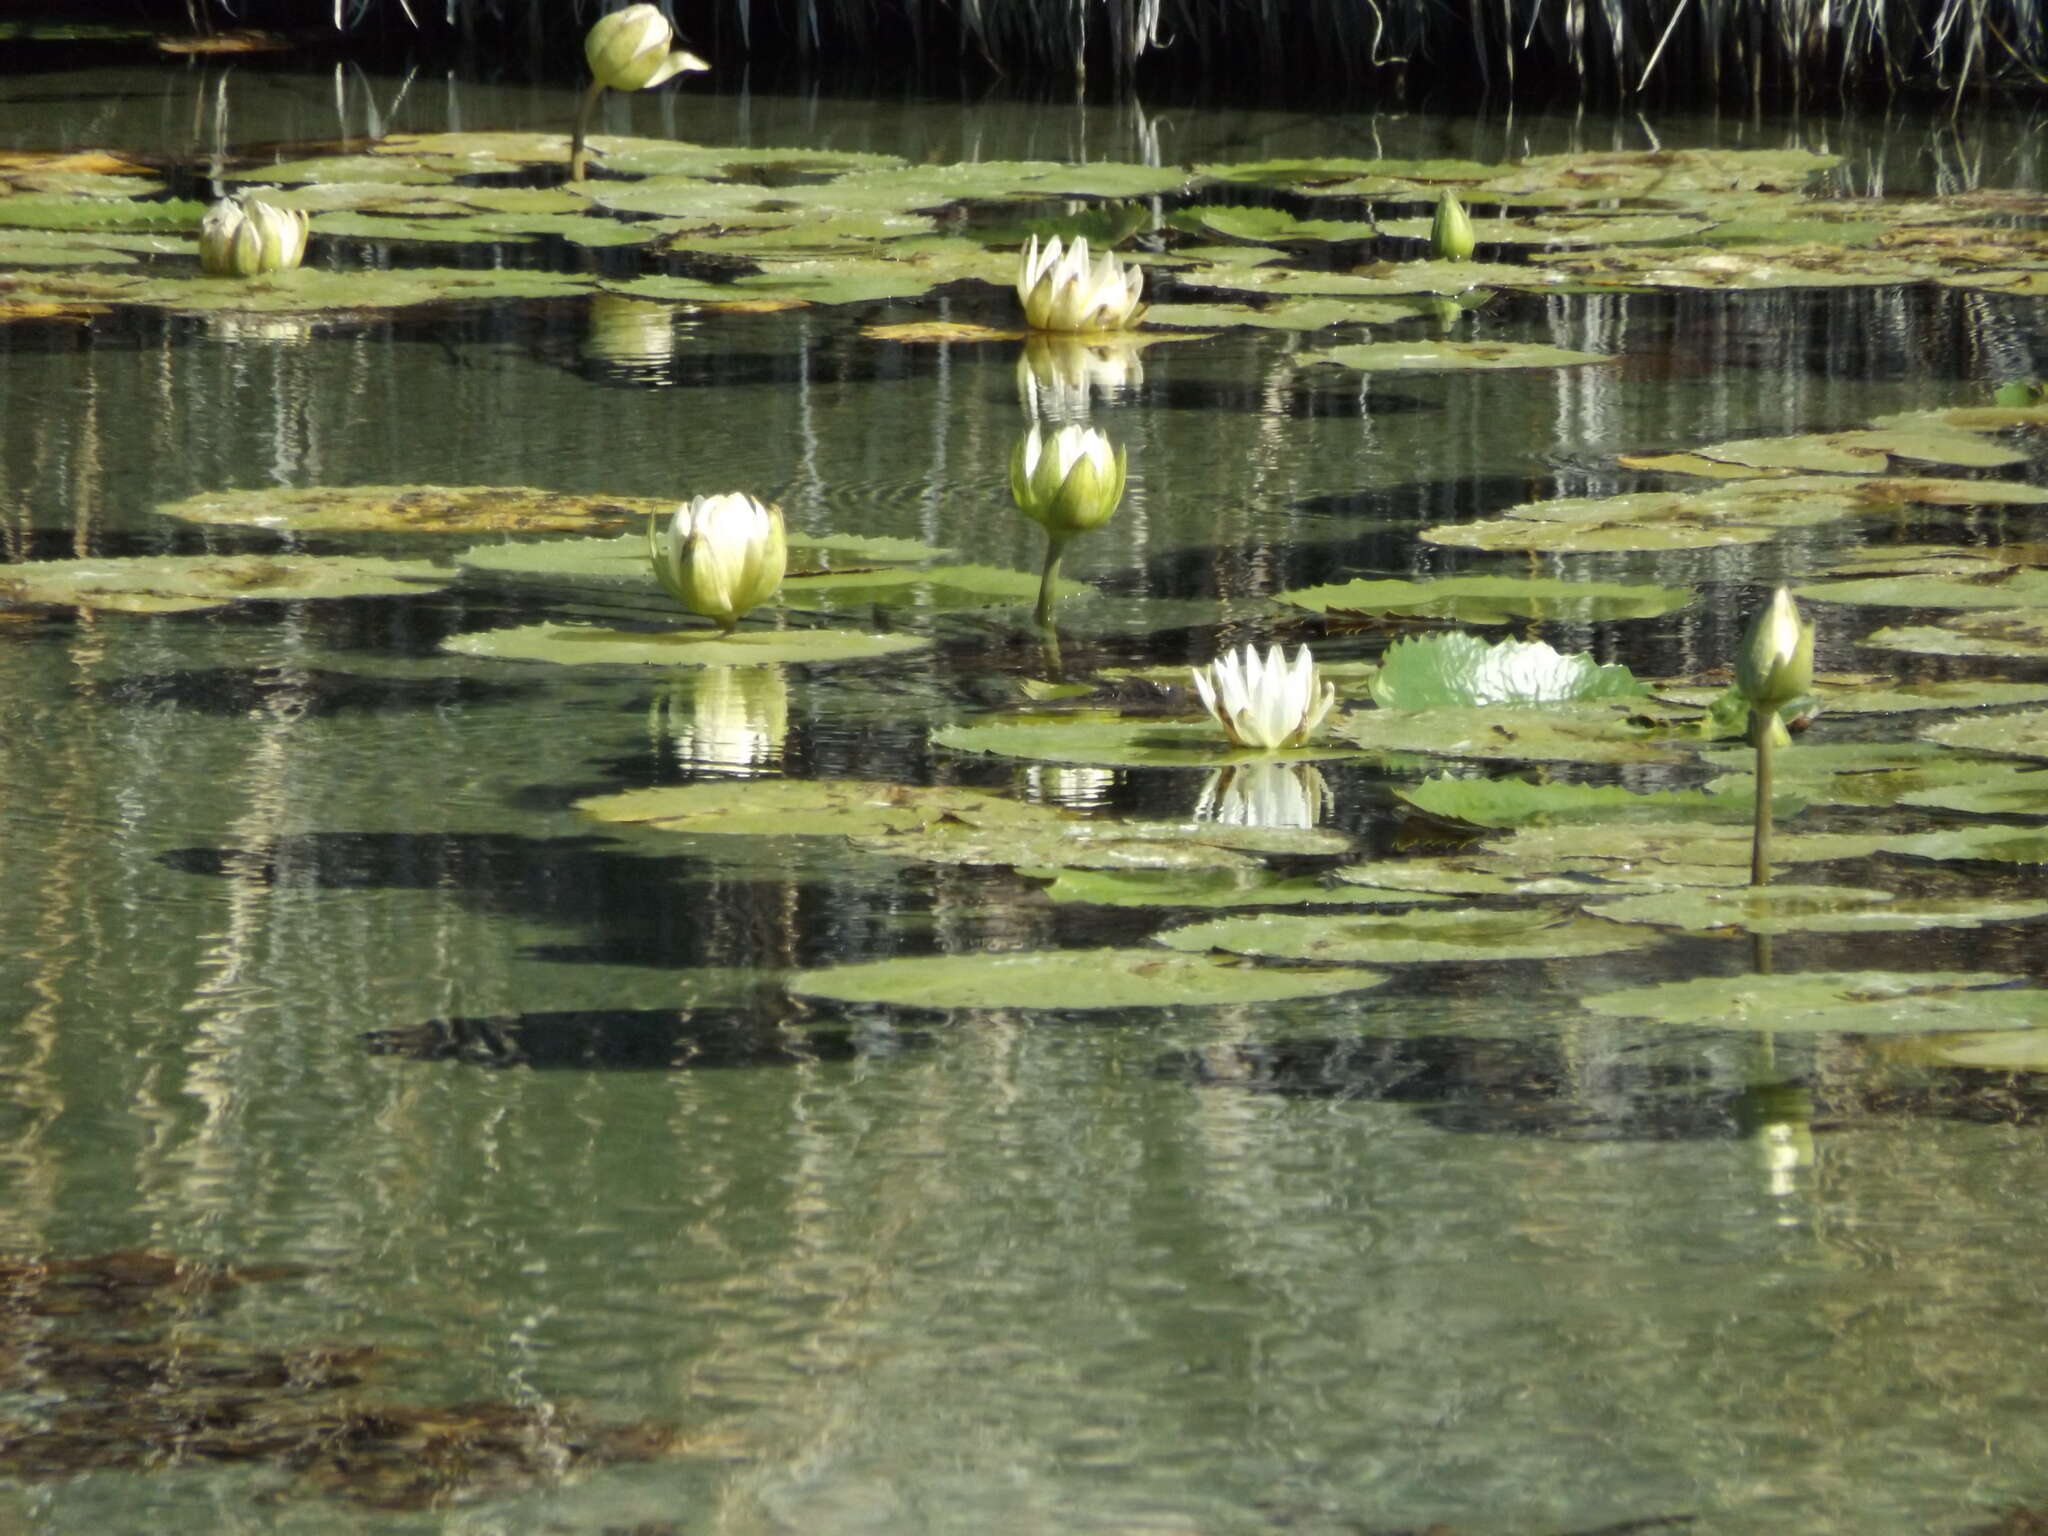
(2015, 634)
(305, 290)
(1113, 741)
(1211, 888)
(1649, 846)
(622, 561)
(1441, 356)
(1104, 843)
(418, 509)
(1381, 280)
(1291, 315)
(585, 645)
(1812, 909)
(2026, 588)
(186, 583)
(1494, 599)
(1561, 538)
(2024, 734)
(1569, 733)
(1494, 874)
(1465, 934)
(1264, 225)
(1989, 842)
(1865, 451)
(812, 808)
(1517, 802)
(1463, 671)
(1829, 1002)
(1072, 979)
(1887, 696)
(2004, 1050)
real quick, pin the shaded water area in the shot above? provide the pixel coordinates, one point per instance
(389, 1144)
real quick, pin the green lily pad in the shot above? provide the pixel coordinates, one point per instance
(1812, 909)
(2023, 734)
(1561, 538)
(1828, 1002)
(75, 248)
(1748, 268)
(1995, 788)
(1694, 464)
(187, 583)
(1330, 172)
(2026, 588)
(1103, 844)
(1493, 874)
(1886, 696)
(2015, 634)
(303, 291)
(1463, 671)
(1210, 888)
(585, 645)
(1464, 934)
(49, 211)
(1863, 452)
(1291, 315)
(1440, 356)
(419, 509)
(1989, 842)
(2024, 1049)
(1112, 741)
(1517, 802)
(1262, 225)
(1569, 733)
(1072, 979)
(1871, 773)
(1382, 280)
(2022, 284)
(813, 808)
(1494, 599)
(1553, 229)
(1649, 846)
(1967, 418)
(760, 164)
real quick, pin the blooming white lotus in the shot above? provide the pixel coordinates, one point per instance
(720, 555)
(241, 236)
(627, 51)
(1061, 292)
(1266, 704)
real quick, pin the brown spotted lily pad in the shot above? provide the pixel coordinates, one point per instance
(419, 509)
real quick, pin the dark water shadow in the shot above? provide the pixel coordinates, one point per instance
(1300, 400)
(631, 1040)
(239, 691)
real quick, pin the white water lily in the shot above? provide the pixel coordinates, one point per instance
(629, 50)
(1061, 292)
(1067, 481)
(720, 555)
(1775, 664)
(1267, 704)
(1264, 795)
(242, 236)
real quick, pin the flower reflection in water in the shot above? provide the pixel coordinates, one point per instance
(1077, 789)
(631, 337)
(731, 719)
(1058, 377)
(1264, 795)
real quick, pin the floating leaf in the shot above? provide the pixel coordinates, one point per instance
(1494, 599)
(622, 561)
(1823, 1002)
(1103, 844)
(1292, 315)
(1887, 696)
(1071, 979)
(185, 583)
(1812, 909)
(1571, 733)
(1439, 356)
(1466, 934)
(586, 645)
(1115, 742)
(1497, 874)
(2015, 634)
(1263, 225)
(1863, 452)
(1462, 671)
(813, 808)
(1209, 888)
(2024, 734)
(418, 509)
(2022, 589)
(1648, 847)
(1516, 802)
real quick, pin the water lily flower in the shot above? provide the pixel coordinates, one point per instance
(242, 236)
(720, 555)
(1061, 292)
(1267, 704)
(1264, 795)
(1450, 233)
(1067, 482)
(1775, 664)
(628, 51)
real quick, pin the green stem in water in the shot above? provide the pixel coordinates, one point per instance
(1762, 726)
(577, 153)
(1049, 579)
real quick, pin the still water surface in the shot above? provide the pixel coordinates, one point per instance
(896, 1272)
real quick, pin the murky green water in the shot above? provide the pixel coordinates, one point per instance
(309, 962)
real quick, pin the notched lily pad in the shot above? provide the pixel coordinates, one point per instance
(1571, 733)
(1812, 909)
(1463, 671)
(1466, 934)
(187, 583)
(1072, 979)
(1828, 1002)
(418, 509)
(590, 645)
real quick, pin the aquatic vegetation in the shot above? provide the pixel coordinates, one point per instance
(1265, 704)
(245, 236)
(189, 583)
(1067, 481)
(1462, 671)
(1061, 291)
(1080, 979)
(1450, 233)
(627, 50)
(720, 556)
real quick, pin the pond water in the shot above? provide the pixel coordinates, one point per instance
(314, 969)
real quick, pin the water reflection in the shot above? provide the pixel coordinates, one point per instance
(1264, 795)
(734, 719)
(1059, 377)
(631, 340)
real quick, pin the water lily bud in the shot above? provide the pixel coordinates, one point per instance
(1265, 704)
(242, 236)
(1060, 291)
(629, 50)
(1775, 664)
(1068, 482)
(720, 555)
(1450, 234)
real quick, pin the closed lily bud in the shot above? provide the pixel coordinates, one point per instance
(1450, 234)
(629, 50)
(243, 236)
(1265, 704)
(720, 555)
(1775, 664)
(1068, 482)
(1060, 291)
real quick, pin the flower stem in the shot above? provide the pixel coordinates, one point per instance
(1762, 725)
(577, 153)
(1049, 579)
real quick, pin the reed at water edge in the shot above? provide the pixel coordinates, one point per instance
(1606, 50)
